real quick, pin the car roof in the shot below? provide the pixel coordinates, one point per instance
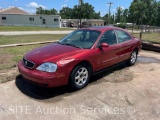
(102, 28)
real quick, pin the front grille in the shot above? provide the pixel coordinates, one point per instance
(28, 64)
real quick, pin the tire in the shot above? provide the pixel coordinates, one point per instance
(79, 77)
(133, 58)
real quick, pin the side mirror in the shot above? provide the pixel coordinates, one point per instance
(104, 45)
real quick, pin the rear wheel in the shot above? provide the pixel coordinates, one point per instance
(133, 58)
(79, 77)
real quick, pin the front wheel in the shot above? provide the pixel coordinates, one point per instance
(133, 58)
(79, 77)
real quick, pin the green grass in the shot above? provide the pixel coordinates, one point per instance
(4, 40)
(30, 28)
(152, 37)
(11, 55)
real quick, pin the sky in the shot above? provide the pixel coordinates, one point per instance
(31, 5)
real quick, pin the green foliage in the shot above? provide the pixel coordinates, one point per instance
(144, 12)
(158, 18)
(85, 11)
(140, 12)
(121, 16)
(66, 13)
(14, 39)
(40, 10)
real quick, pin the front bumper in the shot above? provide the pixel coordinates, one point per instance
(43, 79)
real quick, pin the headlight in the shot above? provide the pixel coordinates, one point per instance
(47, 67)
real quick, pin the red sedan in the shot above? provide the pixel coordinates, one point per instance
(78, 56)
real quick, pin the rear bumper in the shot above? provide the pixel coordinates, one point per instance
(43, 79)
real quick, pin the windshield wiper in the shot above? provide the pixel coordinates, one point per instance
(72, 45)
(69, 44)
(60, 43)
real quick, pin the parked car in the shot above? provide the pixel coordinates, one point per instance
(72, 24)
(84, 25)
(79, 55)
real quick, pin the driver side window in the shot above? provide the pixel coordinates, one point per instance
(109, 37)
(76, 37)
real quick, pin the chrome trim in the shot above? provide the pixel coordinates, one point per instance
(110, 59)
(125, 54)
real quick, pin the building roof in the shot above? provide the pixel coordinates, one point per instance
(12, 10)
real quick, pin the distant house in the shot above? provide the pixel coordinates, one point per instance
(17, 17)
(13, 10)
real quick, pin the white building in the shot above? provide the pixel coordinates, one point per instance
(17, 17)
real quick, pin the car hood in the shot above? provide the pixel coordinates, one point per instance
(52, 53)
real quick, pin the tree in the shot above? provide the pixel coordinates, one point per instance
(105, 18)
(158, 14)
(86, 11)
(119, 14)
(143, 12)
(140, 12)
(46, 12)
(76, 12)
(66, 13)
(125, 16)
(40, 10)
(53, 11)
(96, 15)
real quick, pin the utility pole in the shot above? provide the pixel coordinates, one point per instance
(79, 16)
(110, 3)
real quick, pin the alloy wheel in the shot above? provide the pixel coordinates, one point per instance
(81, 76)
(133, 57)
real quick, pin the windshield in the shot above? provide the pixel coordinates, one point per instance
(81, 38)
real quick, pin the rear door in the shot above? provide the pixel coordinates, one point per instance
(126, 42)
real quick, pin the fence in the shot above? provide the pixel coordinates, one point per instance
(143, 28)
(151, 29)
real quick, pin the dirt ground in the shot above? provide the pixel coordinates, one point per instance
(121, 93)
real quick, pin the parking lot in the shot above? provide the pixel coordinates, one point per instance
(121, 93)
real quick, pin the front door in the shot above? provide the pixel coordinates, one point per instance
(109, 55)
